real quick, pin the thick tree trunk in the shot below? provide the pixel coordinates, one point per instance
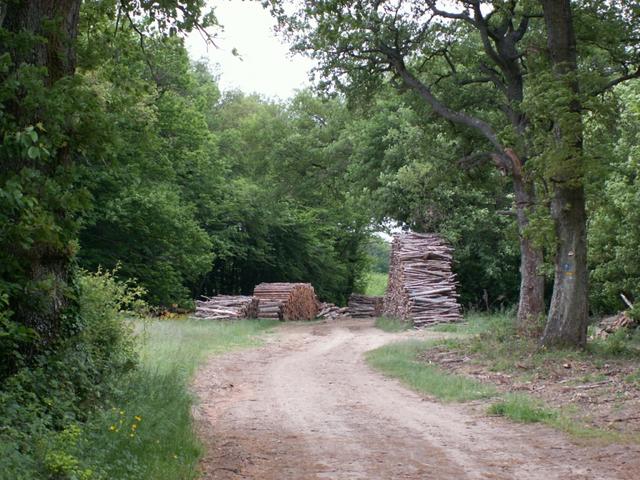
(57, 22)
(531, 305)
(47, 294)
(568, 313)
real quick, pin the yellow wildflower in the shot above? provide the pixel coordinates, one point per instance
(138, 418)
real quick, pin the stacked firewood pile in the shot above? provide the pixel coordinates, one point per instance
(610, 325)
(362, 306)
(227, 307)
(421, 287)
(331, 311)
(287, 301)
(270, 309)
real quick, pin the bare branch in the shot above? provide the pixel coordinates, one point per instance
(454, 16)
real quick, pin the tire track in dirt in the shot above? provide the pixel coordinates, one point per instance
(306, 406)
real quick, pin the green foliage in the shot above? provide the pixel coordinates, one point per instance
(407, 170)
(85, 413)
(378, 251)
(376, 284)
(287, 215)
(206, 194)
(41, 405)
(622, 343)
(41, 202)
(614, 233)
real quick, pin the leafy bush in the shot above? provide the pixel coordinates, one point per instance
(41, 406)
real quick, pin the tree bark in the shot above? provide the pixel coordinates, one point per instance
(568, 313)
(47, 293)
(54, 20)
(531, 305)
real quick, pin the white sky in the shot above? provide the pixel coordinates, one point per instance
(264, 66)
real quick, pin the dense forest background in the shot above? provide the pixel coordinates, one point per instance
(198, 192)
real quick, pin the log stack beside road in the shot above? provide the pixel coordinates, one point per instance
(363, 306)
(227, 307)
(287, 301)
(332, 311)
(422, 286)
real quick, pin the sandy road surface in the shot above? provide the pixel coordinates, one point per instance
(306, 406)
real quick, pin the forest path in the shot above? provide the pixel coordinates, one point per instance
(307, 406)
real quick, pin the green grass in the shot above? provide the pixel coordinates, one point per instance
(376, 284)
(523, 409)
(476, 323)
(389, 324)
(185, 343)
(156, 399)
(400, 360)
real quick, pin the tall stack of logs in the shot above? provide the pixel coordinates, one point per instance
(287, 301)
(227, 307)
(362, 306)
(422, 286)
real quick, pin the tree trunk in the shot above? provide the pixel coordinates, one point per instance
(54, 20)
(47, 294)
(568, 313)
(531, 305)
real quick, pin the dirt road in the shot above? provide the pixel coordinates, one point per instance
(306, 406)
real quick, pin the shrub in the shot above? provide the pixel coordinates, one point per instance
(41, 406)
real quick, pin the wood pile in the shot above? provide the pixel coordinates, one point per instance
(227, 307)
(286, 301)
(362, 306)
(270, 309)
(422, 286)
(610, 325)
(331, 311)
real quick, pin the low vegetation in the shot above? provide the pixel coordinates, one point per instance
(523, 409)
